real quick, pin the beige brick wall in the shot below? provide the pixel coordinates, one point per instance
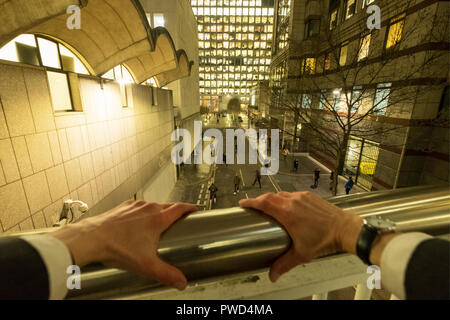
(102, 155)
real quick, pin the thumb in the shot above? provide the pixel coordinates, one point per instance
(283, 264)
(166, 274)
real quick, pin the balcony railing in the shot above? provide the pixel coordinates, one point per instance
(226, 253)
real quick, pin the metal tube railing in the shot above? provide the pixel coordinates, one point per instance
(218, 242)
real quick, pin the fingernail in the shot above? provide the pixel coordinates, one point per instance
(275, 277)
(180, 286)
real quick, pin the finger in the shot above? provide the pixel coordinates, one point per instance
(175, 212)
(268, 204)
(167, 205)
(166, 274)
(283, 264)
(284, 194)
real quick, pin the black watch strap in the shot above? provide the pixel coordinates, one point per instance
(365, 241)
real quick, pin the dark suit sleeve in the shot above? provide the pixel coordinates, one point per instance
(427, 273)
(23, 274)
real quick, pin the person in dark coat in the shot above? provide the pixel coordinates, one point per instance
(349, 185)
(316, 178)
(237, 183)
(296, 164)
(257, 178)
(331, 180)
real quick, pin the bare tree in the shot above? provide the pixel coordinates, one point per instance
(354, 90)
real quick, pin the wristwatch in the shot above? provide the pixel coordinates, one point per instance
(373, 226)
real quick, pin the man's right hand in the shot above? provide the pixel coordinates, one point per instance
(127, 237)
(317, 227)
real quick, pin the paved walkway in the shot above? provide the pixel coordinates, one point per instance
(196, 179)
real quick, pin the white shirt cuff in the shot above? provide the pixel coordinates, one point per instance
(395, 259)
(57, 258)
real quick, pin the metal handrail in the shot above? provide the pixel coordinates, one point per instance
(219, 242)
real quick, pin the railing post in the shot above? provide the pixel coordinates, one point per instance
(320, 296)
(363, 292)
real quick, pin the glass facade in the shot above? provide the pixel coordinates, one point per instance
(283, 18)
(235, 44)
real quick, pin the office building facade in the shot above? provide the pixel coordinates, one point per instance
(333, 65)
(235, 41)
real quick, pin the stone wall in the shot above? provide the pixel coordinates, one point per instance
(102, 155)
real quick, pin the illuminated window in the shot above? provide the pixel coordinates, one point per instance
(152, 82)
(62, 67)
(334, 19)
(356, 98)
(350, 8)
(306, 101)
(22, 49)
(395, 31)
(124, 78)
(49, 53)
(364, 48)
(381, 100)
(71, 62)
(343, 55)
(337, 99)
(59, 91)
(367, 3)
(158, 20)
(309, 66)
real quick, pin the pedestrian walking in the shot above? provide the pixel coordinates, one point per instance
(349, 185)
(296, 164)
(237, 183)
(285, 153)
(316, 178)
(331, 180)
(213, 193)
(257, 178)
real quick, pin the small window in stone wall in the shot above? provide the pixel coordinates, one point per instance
(121, 74)
(350, 8)
(381, 99)
(61, 64)
(154, 96)
(395, 31)
(312, 28)
(59, 91)
(343, 54)
(22, 49)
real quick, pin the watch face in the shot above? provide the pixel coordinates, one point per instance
(380, 223)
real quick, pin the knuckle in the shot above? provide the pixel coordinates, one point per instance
(152, 206)
(270, 196)
(177, 207)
